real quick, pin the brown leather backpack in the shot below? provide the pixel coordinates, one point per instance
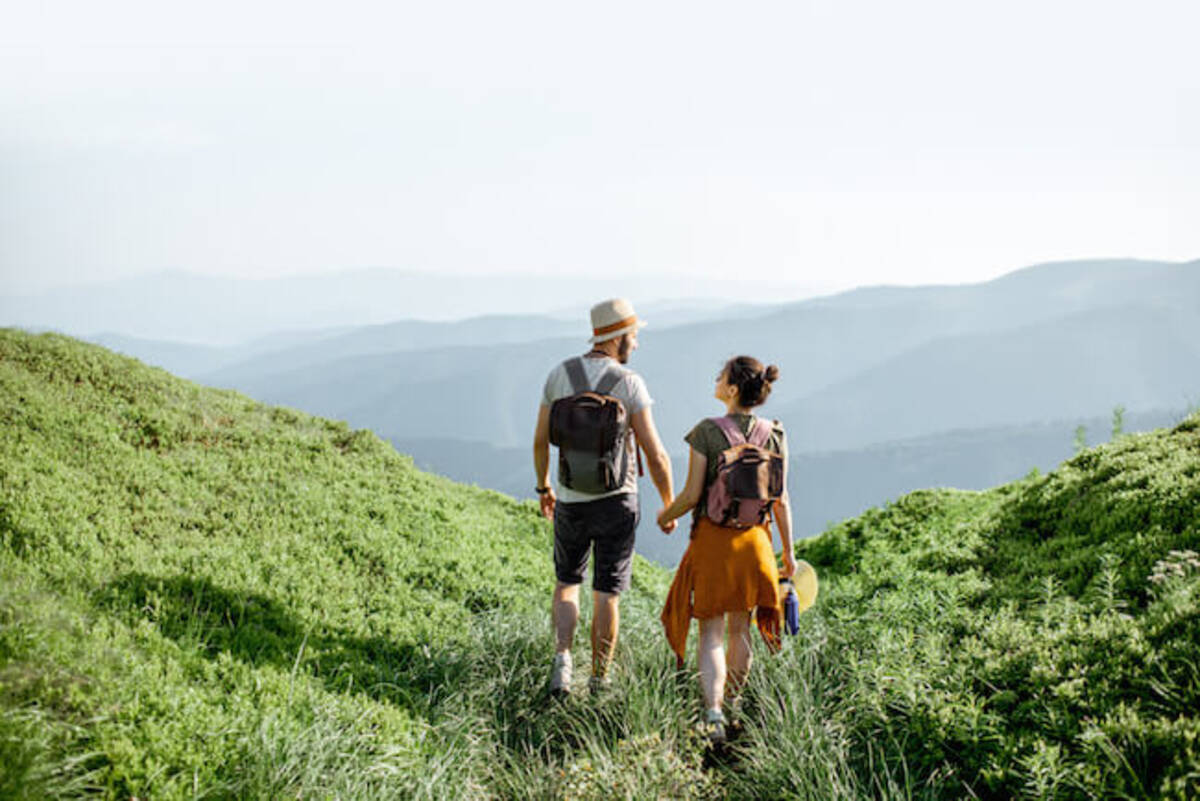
(749, 477)
(586, 427)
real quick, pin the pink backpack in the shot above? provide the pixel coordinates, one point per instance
(749, 477)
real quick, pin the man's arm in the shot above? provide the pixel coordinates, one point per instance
(541, 461)
(657, 459)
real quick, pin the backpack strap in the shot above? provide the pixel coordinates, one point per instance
(761, 433)
(576, 374)
(610, 379)
(730, 429)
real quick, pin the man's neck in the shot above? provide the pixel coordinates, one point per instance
(595, 353)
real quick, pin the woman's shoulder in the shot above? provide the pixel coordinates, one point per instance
(706, 437)
(710, 424)
(705, 428)
(776, 426)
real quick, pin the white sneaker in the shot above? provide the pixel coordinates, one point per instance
(714, 727)
(560, 674)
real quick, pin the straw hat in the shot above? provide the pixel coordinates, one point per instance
(805, 582)
(612, 318)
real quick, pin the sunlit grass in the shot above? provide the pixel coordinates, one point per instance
(203, 597)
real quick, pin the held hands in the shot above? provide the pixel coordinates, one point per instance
(668, 526)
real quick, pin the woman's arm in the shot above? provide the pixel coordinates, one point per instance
(697, 466)
(783, 515)
(783, 521)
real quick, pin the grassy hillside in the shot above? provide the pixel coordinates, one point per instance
(198, 591)
(1041, 639)
(201, 596)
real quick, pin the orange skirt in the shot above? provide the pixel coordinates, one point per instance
(723, 570)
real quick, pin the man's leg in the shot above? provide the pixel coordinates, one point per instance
(616, 526)
(570, 559)
(565, 615)
(606, 621)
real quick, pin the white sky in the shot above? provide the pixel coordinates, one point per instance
(832, 144)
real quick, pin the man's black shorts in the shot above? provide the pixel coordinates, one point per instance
(608, 526)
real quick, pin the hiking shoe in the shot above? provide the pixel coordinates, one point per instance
(714, 727)
(560, 675)
(734, 709)
(598, 685)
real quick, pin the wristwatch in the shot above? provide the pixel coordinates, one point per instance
(541, 490)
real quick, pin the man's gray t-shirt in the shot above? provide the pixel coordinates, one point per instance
(630, 390)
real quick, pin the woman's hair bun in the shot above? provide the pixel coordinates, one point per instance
(751, 378)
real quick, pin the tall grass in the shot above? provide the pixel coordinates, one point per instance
(42, 758)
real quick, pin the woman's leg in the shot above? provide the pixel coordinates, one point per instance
(711, 658)
(738, 658)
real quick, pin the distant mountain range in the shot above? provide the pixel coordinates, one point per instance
(1061, 341)
(962, 385)
(301, 350)
(206, 310)
(1142, 357)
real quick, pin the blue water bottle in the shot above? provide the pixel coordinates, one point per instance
(791, 606)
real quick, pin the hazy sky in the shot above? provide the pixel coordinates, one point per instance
(832, 144)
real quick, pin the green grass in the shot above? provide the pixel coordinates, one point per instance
(185, 572)
(1040, 640)
(205, 597)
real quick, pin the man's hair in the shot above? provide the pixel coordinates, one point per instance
(752, 380)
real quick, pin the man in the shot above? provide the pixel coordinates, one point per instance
(603, 522)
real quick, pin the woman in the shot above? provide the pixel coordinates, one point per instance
(727, 573)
